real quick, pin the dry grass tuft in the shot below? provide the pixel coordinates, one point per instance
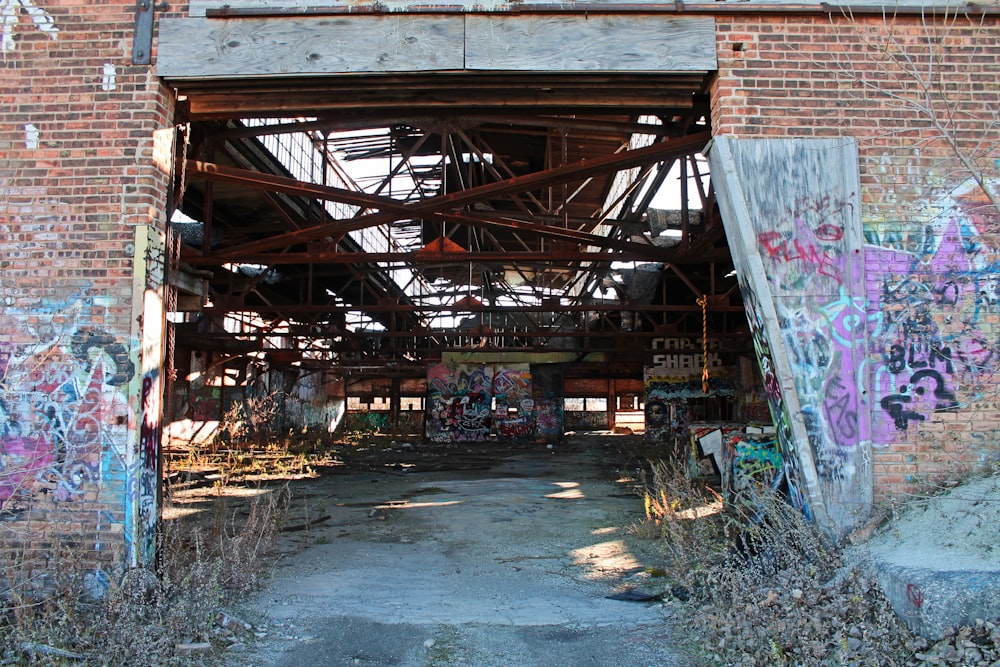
(144, 617)
(762, 586)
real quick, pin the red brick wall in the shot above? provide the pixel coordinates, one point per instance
(932, 280)
(77, 175)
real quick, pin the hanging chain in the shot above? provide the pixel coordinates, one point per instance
(703, 302)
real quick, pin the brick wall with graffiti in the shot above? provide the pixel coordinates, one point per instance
(929, 213)
(935, 317)
(64, 406)
(86, 142)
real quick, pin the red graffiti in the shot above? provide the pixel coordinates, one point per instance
(778, 249)
(915, 595)
(828, 232)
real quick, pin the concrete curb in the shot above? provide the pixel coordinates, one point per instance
(932, 601)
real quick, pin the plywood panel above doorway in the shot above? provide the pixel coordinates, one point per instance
(589, 43)
(283, 46)
(206, 48)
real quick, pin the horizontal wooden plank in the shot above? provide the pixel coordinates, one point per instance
(200, 7)
(646, 43)
(197, 48)
(203, 48)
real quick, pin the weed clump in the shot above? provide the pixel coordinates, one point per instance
(50, 615)
(764, 586)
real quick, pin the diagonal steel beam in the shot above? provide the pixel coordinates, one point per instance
(391, 210)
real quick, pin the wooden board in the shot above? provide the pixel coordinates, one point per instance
(201, 48)
(200, 7)
(574, 43)
(195, 48)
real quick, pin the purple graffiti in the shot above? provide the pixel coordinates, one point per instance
(928, 336)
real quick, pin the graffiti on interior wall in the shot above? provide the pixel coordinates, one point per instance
(458, 403)
(585, 421)
(515, 405)
(63, 402)
(666, 397)
(547, 390)
(369, 422)
(549, 418)
(756, 461)
(933, 307)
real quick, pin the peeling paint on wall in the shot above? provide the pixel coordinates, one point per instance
(30, 136)
(109, 77)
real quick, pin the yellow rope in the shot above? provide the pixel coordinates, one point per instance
(703, 302)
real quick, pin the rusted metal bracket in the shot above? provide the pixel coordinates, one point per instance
(142, 40)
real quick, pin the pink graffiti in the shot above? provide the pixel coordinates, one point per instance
(30, 458)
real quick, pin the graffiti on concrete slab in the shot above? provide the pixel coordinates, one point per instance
(63, 404)
(790, 479)
(805, 246)
(821, 321)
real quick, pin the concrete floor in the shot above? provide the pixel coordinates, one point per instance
(506, 562)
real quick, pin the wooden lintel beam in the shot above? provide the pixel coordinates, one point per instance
(356, 121)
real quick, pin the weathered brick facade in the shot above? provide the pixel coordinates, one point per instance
(78, 182)
(84, 175)
(920, 94)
